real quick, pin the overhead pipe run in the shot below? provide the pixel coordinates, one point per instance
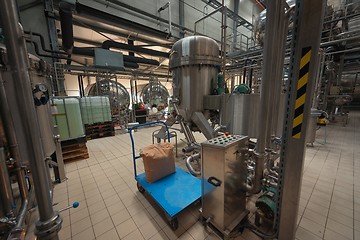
(91, 53)
(128, 60)
(122, 46)
(65, 12)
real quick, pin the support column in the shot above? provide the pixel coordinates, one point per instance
(308, 20)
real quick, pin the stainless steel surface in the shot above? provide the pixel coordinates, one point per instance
(312, 126)
(184, 127)
(261, 21)
(50, 222)
(6, 196)
(269, 72)
(308, 16)
(155, 93)
(189, 160)
(194, 63)
(39, 72)
(278, 105)
(203, 125)
(240, 113)
(220, 164)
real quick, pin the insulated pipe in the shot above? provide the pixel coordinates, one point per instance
(283, 23)
(122, 46)
(66, 22)
(5, 186)
(127, 59)
(50, 222)
(188, 162)
(271, 44)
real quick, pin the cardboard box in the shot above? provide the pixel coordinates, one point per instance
(159, 161)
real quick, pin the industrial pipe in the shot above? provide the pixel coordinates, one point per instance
(251, 73)
(325, 44)
(122, 46)
(50, 222)
(127, 59)
(5, 186)
(283, 23)
(187, 132)
(42, 42)
(66, 22)
(188, 162)
(168, 6)
(12, 142)
(275, 10)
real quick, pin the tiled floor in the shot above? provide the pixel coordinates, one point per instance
(112, 208)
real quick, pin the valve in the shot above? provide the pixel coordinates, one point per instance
(74, 205)
(41, 94)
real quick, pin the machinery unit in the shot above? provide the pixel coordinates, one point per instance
(194, 63)
(240, 114)
(118, 95)
(154, 93)
(223, 172)
(39, 71)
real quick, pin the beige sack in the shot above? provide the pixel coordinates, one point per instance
(158, 161)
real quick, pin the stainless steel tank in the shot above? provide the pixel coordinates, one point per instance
(39, 71)
(194, 63)
(240, 114)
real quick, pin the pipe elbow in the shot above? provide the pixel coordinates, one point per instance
(188, 162)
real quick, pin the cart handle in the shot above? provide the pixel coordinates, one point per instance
(133, 143)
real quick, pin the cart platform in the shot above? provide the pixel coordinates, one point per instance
(173, 193)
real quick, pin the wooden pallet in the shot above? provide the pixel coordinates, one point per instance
(99, 130)
(74, 149)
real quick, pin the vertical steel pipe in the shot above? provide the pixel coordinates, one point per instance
(282, 26)
(12, 140)
(50, 221)
(271, 45)
(274, 9)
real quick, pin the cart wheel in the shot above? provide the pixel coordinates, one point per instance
(174, 224)
(140, 188)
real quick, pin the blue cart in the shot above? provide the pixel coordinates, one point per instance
(172, 193)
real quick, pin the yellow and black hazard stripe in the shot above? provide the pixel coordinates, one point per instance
(301, 92)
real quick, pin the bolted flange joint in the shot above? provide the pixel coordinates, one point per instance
(49, 229)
